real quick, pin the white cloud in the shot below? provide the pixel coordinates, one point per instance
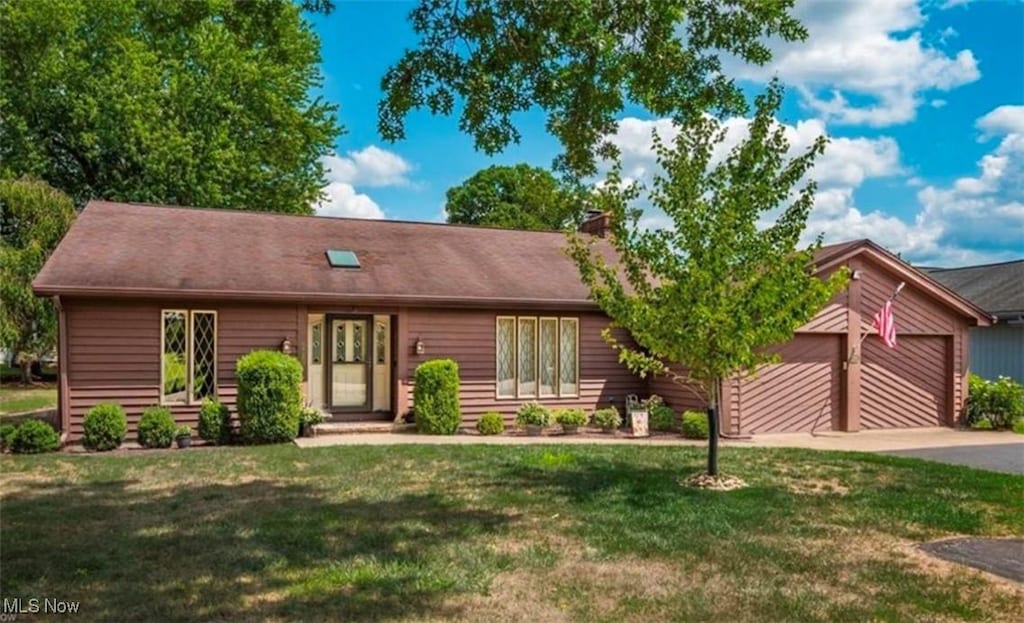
(865, 62)
(1001, 121)
(370, 166)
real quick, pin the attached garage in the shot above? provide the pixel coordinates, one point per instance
(836, 374)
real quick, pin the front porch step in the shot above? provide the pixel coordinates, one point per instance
(347, 428)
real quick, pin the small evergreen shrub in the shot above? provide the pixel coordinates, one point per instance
(659, 415)
(982, 424)
(156, 428)
(269, 396)
(695, 425)
(1000, 401)
(6, 435)
(533, 414)
(33, 437)
(1018, 426)
(104, 427)
(490, 423)
(435, 397)
(607, 419)
(571, 418)
(214, 422)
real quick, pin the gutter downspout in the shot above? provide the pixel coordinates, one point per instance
(63, 399)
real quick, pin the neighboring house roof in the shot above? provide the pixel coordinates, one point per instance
(998, 288)
(121, 249)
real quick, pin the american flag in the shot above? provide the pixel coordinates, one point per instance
(885, 324)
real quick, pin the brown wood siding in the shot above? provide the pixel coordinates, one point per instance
(916, 313)
(114, 352)
(468, 337)
(791, 396)
(680, 398)
(907, 386)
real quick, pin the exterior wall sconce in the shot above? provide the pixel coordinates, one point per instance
(420, 347)
(856, 275)
(287, 347)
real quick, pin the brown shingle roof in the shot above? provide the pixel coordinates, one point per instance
(998, 288)
(157, 250)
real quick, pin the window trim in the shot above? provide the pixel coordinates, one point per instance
(189, 355)
(517, 395)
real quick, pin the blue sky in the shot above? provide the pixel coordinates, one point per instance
(923, 100)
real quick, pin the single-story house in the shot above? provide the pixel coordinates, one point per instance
(157, 303)
(996, 350)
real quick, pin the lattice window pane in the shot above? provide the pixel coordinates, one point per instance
(358, 343)
(506, 363)
(527, 357)
(569, 382)
(317, 346)
(548, 356)
(204, 355)
(174, 359)
(380, 342)
(339, 341)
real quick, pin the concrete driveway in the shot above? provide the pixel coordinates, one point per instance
(1001, 452)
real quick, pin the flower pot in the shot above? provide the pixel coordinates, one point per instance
(534, 430)
(183, 441)
(305, 429)
(570, 430)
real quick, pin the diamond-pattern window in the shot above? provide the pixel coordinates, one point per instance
(548, 360)
(506, 357)
(204, 355)
(174, 359)
(568, 367)
(527, 344)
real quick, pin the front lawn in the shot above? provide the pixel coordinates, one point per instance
(18, 398)
(491, 533)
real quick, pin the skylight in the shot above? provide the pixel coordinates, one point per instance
(342, 258)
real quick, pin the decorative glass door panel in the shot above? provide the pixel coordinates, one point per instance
(349, 362)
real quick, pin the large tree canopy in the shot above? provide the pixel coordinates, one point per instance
(200, 102)
(579, 61)
(516, 197)
(729, 278)
(33, 219)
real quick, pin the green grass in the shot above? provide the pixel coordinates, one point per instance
(18, 399)
(488, 533)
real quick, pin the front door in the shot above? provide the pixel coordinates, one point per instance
(350, 374)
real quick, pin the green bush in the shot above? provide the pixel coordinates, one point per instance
(1000, 401)
(571, 417)
(1018, 426)
(533, 414)
(695, 425)
(104, 427)
(174, 373)
(33, 437)
(6, 435)
(156, 428)
(214, 422)
(982, 424)
(435, 397)
(491, 423)
(269, 396)
(660, 416)
(182, 431)
(607, 418)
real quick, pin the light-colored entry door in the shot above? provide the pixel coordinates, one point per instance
(382, 363)
(350, 340)
(315, 362)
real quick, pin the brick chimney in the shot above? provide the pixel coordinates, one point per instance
(596, 223)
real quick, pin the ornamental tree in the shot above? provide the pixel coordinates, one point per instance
(729, 278)
(580, 62)
(516, 197)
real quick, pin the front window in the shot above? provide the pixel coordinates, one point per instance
(188, 370)
(536, 357)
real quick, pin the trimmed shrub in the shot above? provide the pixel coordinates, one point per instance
(533, 414)
(608, 418)
(661, 417)
(982, 424)
(269, 396)
(156, 428)
(214, 422)
(490, 423)
(695, 425)
(435, 397)
(6, 435)
(571, 418)
(33, 437)
(1018, 426)
(1000, 401)
(104, 427)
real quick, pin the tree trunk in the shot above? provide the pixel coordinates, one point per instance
(713, 429)
(26, 372)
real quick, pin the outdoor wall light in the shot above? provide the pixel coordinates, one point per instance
(287, 347)
(856, 275)
(420, 347)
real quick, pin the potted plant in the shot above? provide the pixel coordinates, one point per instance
(534, 417)
(309, 417)
(571, 419)
(607, 419)
(183, 436)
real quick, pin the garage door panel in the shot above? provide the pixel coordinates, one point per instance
(792, 395)
(904, 387)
